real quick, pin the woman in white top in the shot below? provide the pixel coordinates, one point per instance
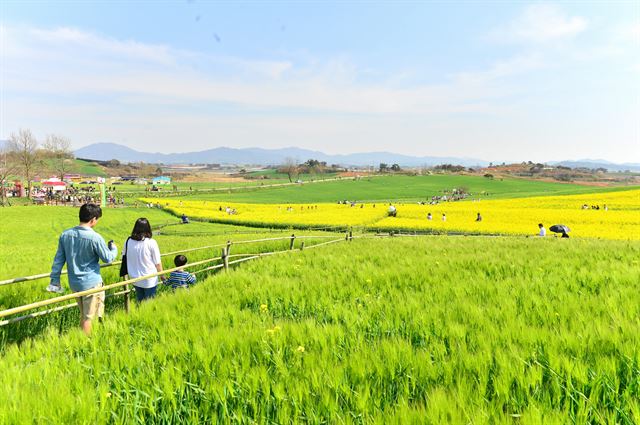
(143, 258)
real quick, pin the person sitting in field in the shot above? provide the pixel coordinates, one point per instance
(429, 217)
(180, 278)
(392, 212)
(543, 231)
(185, 219)
(479, 217)
(444, 217)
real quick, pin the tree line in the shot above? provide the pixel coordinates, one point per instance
(25, 157)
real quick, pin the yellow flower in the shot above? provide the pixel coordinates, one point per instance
(264, 308)
(108, 394)
(300, 349)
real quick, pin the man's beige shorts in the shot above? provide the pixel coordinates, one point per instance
(91, 306)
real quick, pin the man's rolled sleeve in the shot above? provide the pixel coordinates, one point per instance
(58, 263)
(104, 253)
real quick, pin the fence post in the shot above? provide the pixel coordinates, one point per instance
(346, 236)
(228, 247)
(126, 299)
(350, 235)
(302, 246)
(225, 259)
(293, 240)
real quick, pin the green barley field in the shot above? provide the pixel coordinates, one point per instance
(431, 330)
(425, 330)
(387, 188)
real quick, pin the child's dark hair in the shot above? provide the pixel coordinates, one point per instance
(89, 212)
(180, 260)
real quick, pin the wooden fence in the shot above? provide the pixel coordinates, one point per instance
(226, 259)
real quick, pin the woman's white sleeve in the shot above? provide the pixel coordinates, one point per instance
(156, 252)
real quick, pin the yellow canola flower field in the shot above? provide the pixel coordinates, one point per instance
(312, 215)
(518, 216)
(521, 216)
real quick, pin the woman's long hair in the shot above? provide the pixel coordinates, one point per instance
(141, 230)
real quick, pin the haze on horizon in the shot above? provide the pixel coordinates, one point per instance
(496, 81)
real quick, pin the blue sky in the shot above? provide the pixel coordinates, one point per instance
(498, 80)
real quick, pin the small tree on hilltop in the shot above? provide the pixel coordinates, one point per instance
(290, 168)
(61, 159)
(8, 167)
(25, 146)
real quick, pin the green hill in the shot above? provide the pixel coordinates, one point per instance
(87, 168)
(402, 188)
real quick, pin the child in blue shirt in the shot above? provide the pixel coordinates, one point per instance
(180, 278)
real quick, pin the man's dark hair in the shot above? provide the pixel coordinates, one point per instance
(141, 230)
(180, 260)
(540, 225)
(89, 212)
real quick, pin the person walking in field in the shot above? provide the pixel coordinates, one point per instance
(429, 217)
(479, 217)
(444, 217)
(543, 231)
(81, 248)
(143, 258)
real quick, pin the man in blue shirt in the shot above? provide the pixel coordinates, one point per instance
(81, 248)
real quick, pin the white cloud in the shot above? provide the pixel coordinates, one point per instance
(70, 38)
(628, 34)
(541, 23)
(155, 97)
(506, 68)
(67, 61)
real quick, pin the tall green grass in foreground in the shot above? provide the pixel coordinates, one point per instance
(431, 330)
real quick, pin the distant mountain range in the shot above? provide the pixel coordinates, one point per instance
(599, 163)
(259, 156)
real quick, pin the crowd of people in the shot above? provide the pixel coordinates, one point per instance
(81, 249)
(74, 196)
(594, 207)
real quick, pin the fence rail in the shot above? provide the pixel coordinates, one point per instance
(181, 251)
(225, 256)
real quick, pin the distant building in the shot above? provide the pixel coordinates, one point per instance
(72, 178)
(161, 180)
(54, 184)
